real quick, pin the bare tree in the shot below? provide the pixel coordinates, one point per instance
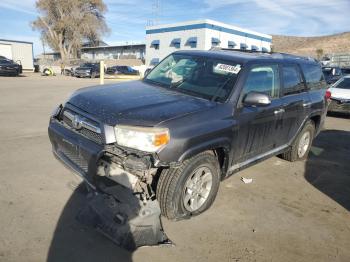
(65, 24)
(319, 53)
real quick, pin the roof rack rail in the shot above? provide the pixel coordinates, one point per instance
(238, 50)
(274, 54)
(285, 55)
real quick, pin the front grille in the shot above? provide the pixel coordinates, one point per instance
(75, 158)
(86, 132)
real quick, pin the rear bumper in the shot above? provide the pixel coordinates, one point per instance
(11, 71)
(76, 152)
(339, 106)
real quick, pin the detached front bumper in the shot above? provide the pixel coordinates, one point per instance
(75, 151)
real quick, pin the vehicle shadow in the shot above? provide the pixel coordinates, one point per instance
(73, 241)
(328, 165)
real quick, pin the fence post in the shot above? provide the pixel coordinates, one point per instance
(102, 72)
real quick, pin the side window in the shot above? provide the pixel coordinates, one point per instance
(313, 76)
(292, 81)
(263, 79)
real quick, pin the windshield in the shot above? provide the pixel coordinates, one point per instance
(87, 65)
(199, 76)
(343, 84)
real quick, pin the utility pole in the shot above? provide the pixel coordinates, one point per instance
(42, 41)
(156, 13)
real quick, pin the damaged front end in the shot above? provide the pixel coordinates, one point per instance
(122, 217)
(122, 203)
(125, 208)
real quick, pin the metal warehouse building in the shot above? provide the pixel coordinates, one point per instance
(162, 40)
(18, 51)
(122, 51)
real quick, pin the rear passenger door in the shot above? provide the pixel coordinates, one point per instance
(296, 101)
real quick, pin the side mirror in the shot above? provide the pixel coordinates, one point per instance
(256, 99)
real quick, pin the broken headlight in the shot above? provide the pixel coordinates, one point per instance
(146, 139)
(56, 111)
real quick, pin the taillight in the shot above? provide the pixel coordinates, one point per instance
(328, 94)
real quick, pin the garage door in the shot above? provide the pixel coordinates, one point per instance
(6, 50)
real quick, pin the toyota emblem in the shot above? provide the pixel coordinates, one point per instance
(77, 121)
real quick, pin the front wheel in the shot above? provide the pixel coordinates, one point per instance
(190, 189)
(302, 144)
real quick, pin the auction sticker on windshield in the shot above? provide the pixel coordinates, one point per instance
(228, 68)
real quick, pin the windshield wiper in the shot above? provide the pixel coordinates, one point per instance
(216, 93)
(177, 84)
(155, 82)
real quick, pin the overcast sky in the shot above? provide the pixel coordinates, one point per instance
(127, 18)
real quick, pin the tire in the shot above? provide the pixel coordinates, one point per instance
(293, 154)
(93, 75)
(172, 189)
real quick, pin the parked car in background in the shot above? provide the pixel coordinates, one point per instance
(340, 96)
(345, 71)
(91, 70)
(9, 67)
(195, 119)
(332, 74)
(121, 70)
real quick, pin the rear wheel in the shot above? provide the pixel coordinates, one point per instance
(302, 144)
(189, 189)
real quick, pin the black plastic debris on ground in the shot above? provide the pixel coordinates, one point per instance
(123, 218)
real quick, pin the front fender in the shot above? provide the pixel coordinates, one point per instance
(215, 143)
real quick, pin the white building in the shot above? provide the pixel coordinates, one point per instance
(18, 51)
(161, 40)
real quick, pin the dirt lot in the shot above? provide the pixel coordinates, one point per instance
(291, 211)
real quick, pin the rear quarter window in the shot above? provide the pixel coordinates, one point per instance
(313, 76)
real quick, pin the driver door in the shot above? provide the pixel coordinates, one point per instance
(258, 126)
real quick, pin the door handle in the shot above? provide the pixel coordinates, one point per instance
(307, 104)
(279, 111)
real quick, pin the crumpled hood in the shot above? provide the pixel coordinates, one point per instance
(135, 103)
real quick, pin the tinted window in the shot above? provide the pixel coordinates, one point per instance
(344, 83)
(87, 65)
(263, 79)
(346, 71)
(327, 72)
(292, 82)
(313, 76)
(331, 71)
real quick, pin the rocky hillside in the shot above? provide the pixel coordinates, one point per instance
(308, 46)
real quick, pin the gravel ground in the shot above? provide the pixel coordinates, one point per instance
(291, 212)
